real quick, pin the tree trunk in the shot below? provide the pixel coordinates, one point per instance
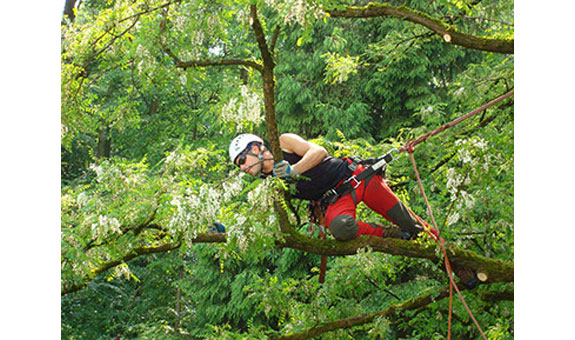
(69, 9)
(104, 144)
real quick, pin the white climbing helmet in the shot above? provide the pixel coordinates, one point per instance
(240, 143)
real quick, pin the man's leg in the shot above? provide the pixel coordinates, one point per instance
(340, 219)
(379, 198)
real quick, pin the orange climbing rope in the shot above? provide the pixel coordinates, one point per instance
(435, 234)
(410, 144)
(441, 242)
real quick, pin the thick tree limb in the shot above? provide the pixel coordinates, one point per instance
(448, 33)
(410, 304)
(268, 85)
(270, 105)
(494, 269)
(69, 9)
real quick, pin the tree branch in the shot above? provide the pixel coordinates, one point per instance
(207, 63)
(447, 32)
(270, 108)
(410, 304)
(495, 270)
(139, 251)
(260, 37)
(274, 39)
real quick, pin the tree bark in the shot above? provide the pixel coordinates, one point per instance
(69, 9)
(495, 270)
(270, 107)
(447, 32)
(268, 86)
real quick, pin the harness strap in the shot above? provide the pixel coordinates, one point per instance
(377, 165)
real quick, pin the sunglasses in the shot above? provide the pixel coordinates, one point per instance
(243, 157)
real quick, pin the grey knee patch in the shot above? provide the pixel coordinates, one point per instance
(343, 227)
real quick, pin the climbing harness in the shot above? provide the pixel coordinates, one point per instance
(317, 209)
(374, 167)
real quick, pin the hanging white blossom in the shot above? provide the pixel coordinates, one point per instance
(452, 218)
(299, 11)
(103, 226)
(246, 109)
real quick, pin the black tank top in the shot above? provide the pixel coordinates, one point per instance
(319, 179)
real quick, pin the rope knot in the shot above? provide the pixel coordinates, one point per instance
(408, 147)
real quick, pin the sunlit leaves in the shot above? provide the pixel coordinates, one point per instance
(339, 68)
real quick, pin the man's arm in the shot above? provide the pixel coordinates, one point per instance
(312, 154)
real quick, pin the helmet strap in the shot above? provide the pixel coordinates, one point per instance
(262, 159)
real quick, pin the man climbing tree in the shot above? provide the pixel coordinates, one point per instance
(317, 173)
(337, 186)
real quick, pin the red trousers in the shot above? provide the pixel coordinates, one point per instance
(379, 198)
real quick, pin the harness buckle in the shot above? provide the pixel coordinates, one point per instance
(353, 178)
(330, 197)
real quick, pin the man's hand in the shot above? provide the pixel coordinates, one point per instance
(283, 169)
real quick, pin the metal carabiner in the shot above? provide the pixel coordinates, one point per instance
(397, 154)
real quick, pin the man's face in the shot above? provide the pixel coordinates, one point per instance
(248, 161)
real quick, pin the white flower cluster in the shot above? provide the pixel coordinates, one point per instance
(299, 11)
(243, 16)
(114, 176)
(97, 169)
(202, 207)
(245, 230)
(211, 202)
(470, 151)
(184, 214)
(232, 186)
(453, 218)
(261, 197)
(175, 160)
(467, 148)
(454, 181)
(246, 109)
(103, 226)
